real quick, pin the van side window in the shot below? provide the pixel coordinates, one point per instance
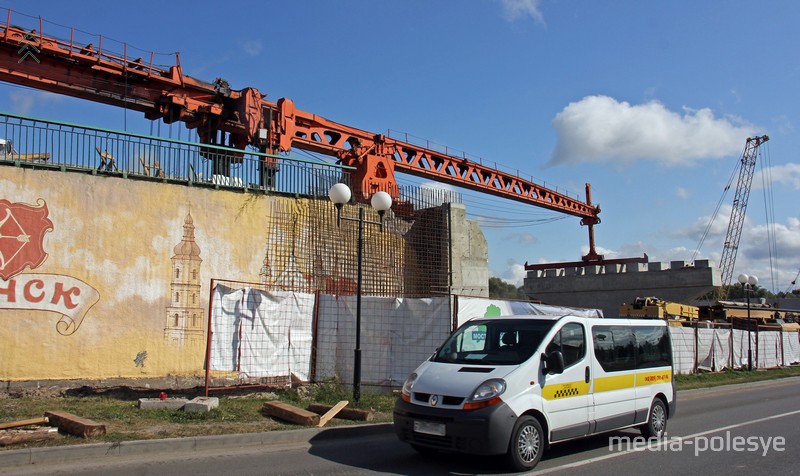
(614, 348)
(653, 347)
(571, 341)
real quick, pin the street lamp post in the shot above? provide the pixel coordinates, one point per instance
(748, 283)
(381, 201)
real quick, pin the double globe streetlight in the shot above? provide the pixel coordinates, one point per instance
(381, 201)
(748, 283)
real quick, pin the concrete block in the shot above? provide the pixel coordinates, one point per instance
(11, 458)
(677, 264)
(635, 267)
(592, 270)
(702, 263)
(612, 268)
(574, 271)
(229, 441)
(552, 273)
(201, 404)
(146, 447)
(60, 454)
(655, 266)
(158, 404)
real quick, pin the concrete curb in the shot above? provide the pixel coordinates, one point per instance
(95, 451)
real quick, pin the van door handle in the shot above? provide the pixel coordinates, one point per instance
(587, 374)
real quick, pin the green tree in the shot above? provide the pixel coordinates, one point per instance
(500, 289)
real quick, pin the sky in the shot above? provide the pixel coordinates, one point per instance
(649, 102)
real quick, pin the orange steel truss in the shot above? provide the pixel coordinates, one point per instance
(240, 118)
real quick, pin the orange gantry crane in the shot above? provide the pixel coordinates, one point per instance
(241, 118)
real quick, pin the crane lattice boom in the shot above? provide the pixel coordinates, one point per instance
(738, 210)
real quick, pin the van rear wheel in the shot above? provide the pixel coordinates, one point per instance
(656, 424)
(527, 444)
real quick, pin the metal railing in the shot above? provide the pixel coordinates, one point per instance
(38, 143)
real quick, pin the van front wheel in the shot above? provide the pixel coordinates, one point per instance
(527, 443)
(656, 424)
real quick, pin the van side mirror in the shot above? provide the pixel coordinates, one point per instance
(554, 362)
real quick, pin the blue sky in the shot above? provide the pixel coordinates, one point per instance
(650, 102)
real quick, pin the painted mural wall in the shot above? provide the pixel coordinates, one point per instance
(104, 277)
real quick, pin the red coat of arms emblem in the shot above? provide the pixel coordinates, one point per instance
(22, 229)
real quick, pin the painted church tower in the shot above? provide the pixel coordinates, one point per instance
(185, 321)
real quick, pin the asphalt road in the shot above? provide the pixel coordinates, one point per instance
(743, 429)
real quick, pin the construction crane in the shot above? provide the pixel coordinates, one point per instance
(731, 246)
(241, 118)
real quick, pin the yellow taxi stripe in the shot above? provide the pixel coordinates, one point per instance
(606, 384)
(564, 390)
(617, 382)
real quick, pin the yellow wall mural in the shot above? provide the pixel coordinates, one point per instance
(104, 277)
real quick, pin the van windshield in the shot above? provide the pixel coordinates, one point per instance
(494, 342)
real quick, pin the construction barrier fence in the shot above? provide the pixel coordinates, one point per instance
(716, 347)
(268, 335)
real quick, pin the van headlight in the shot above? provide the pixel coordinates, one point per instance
(487, 394)
(406, 395)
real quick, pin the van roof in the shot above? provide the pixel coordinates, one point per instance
(591, 320)
(538, 317)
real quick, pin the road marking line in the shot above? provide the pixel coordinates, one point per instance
(659, 443)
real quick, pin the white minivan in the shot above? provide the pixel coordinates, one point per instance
(514, 385)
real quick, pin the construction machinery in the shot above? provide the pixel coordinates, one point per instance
(731, 246)
(245, 118)
(654, 308)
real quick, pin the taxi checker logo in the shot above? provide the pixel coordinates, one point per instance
(434, 400)
(22, 229)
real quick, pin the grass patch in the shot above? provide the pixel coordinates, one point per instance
(727, 377)
(242, 413)
(236, 413)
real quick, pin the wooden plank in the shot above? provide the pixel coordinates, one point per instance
(346, 413)
(30, 421)
(27, 436)
(290, 413)
(332, 413)
(75, 425)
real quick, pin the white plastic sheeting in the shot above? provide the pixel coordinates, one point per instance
(397, 334)
(226, 315)
(791, 348)
(471, 307)
(683, 349)
(262, 334)
(721, 348)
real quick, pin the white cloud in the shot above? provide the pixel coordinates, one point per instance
(600, 129)
(27, 101)
(682, 193)
(788, 174)
(522, 238)
(252, 47)
(519, 9)
(753, 255)
(514, 273)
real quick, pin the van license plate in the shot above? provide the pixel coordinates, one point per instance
(429, 428)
